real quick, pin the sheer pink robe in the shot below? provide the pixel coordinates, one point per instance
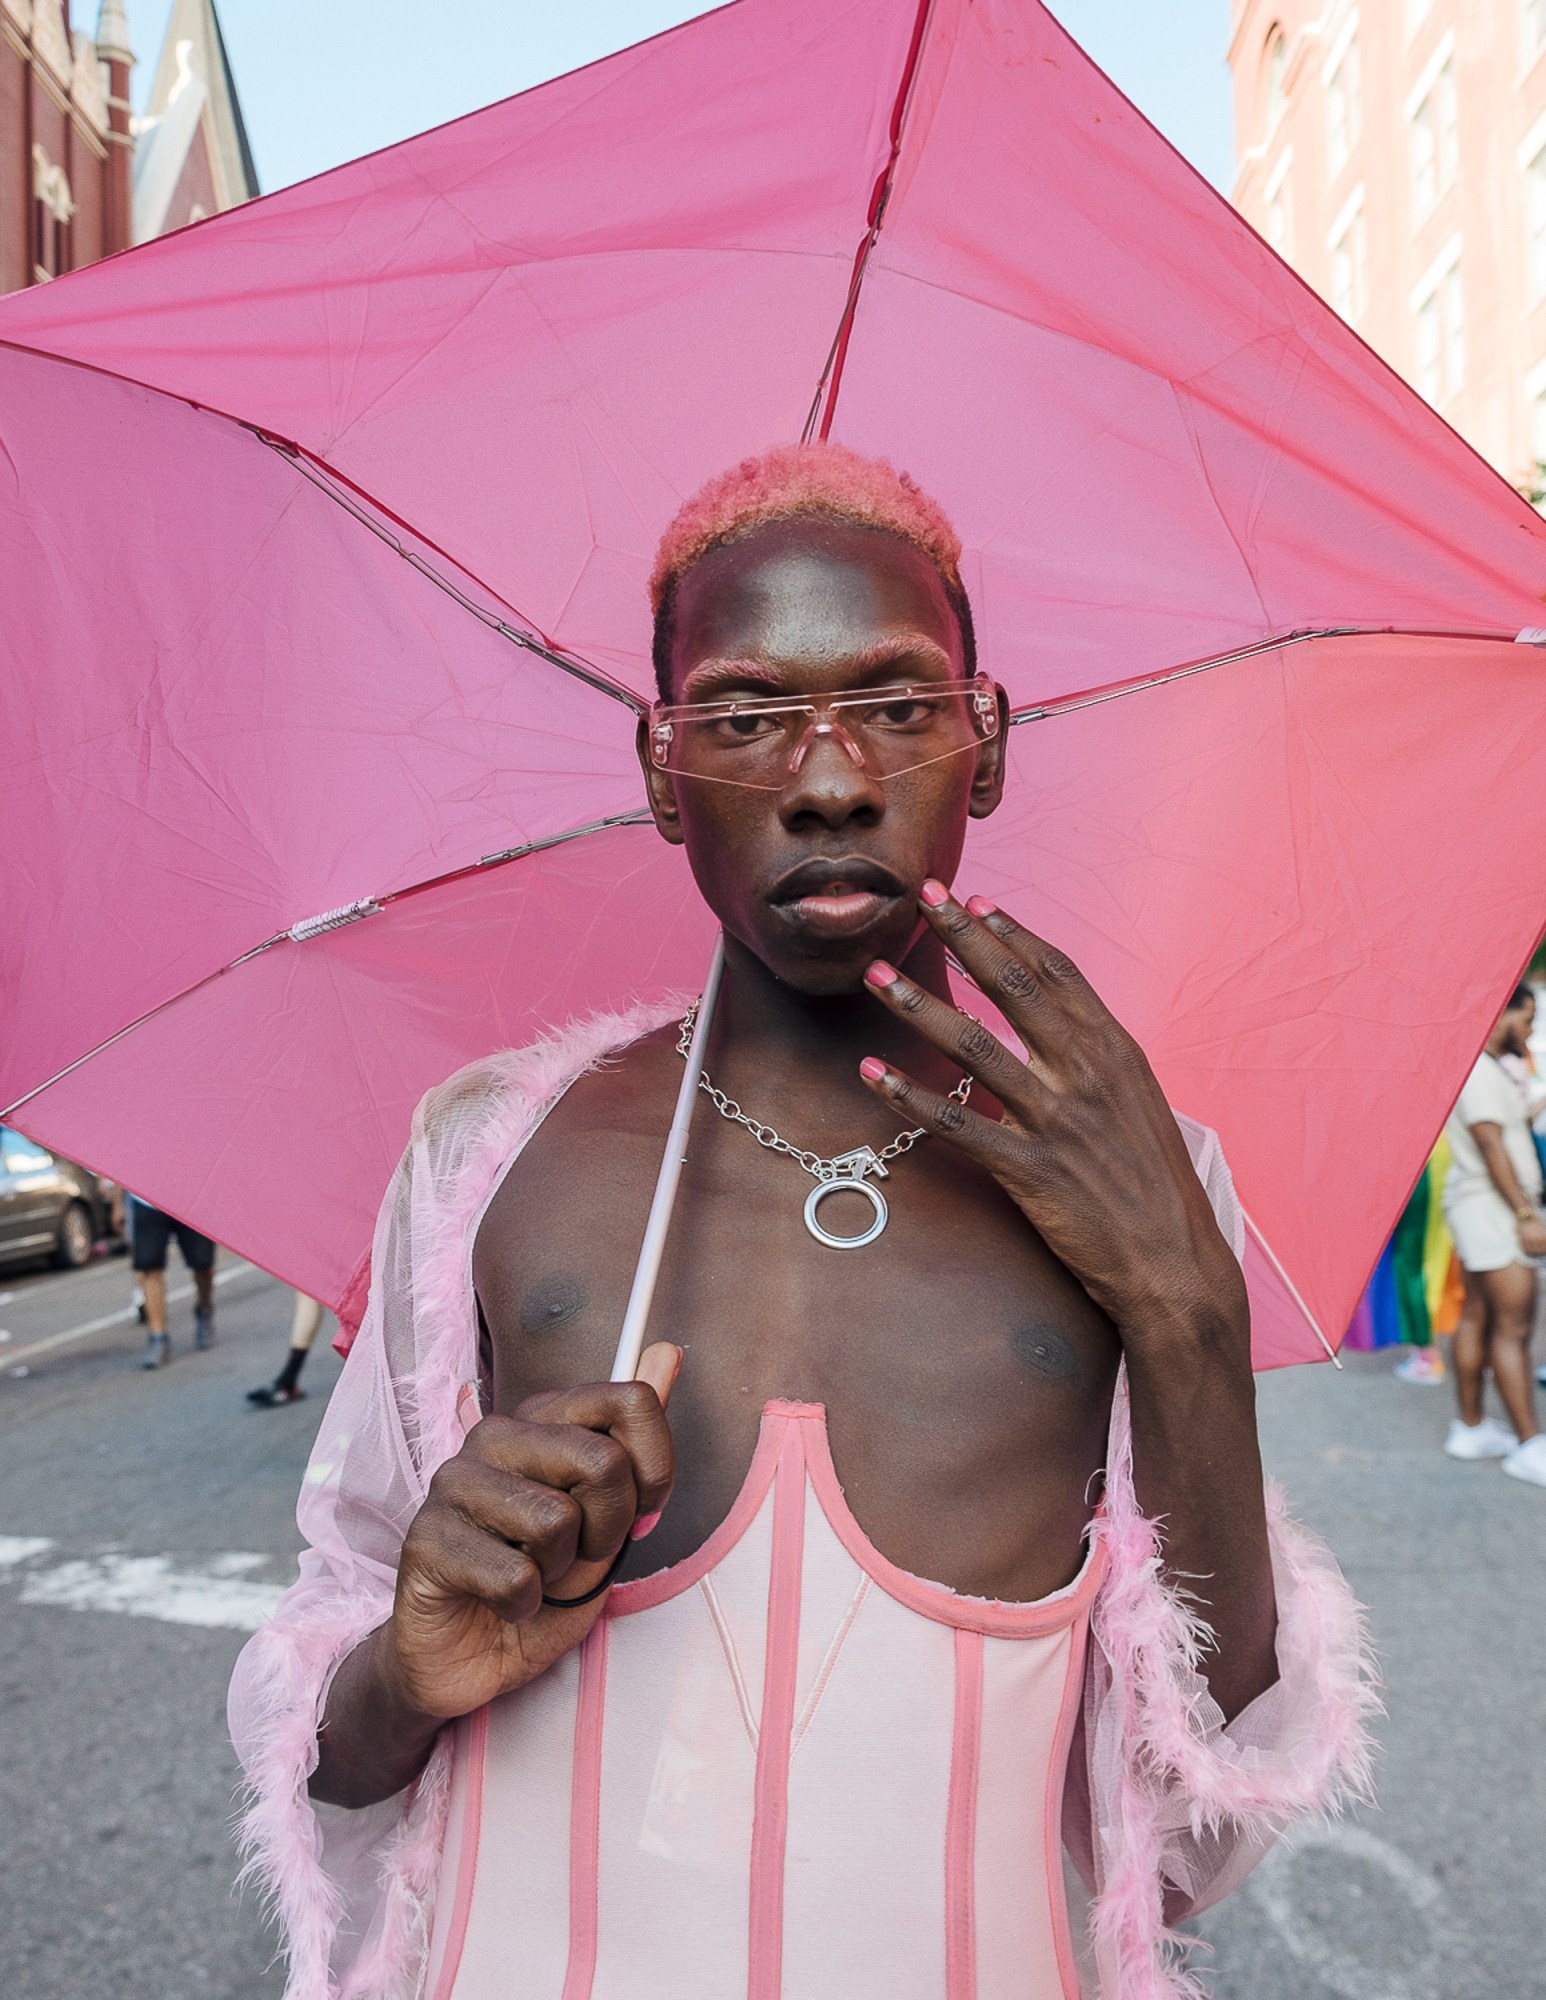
(953, 1875)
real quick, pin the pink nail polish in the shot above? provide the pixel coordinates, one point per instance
(645, 1525)
(933, 893)
(872, 1069)
(881, 974)
(981, 907)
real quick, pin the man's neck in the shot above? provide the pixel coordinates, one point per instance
(768, 1037)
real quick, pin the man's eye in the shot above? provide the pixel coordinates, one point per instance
(904, 714)
(741, 728)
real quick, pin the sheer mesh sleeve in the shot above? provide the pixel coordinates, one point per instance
(353, 1891)
(1170, 1809)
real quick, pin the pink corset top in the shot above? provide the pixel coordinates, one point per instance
(782, 1768)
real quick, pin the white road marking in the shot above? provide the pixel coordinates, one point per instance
(217, 1595)
(121, 1317)
(1344, 1971)
(21, 1548)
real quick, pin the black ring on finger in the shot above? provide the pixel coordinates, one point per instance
(606, 1583)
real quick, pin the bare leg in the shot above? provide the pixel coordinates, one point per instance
(285, 1388)
(153, 1284)
(1511, 1317)
(304, 1321)
(1469, 1352)
(204, 1289)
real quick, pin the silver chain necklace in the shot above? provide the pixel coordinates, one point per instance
(848, 1171)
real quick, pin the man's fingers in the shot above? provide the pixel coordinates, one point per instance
(982, 1139)
(608, 1443)
(1029, 979)
(592, 1466)
(546, 1521)
(463, 1561)
(976, 1048)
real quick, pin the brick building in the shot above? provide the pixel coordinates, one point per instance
(80, 178)
(1394, 151)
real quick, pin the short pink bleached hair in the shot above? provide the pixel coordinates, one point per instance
(826, 482)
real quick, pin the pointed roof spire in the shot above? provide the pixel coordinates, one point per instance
(193, 92)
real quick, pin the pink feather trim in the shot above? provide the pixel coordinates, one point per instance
(1176, 1760)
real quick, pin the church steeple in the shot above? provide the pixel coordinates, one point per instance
(193, 158)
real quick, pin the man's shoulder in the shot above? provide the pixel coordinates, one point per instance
(1489, 1094)
(511, 1090)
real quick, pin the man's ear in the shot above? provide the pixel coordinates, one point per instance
(658, 788)
(992, 764)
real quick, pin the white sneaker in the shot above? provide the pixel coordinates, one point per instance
(1488, 1439)
(1527, 1461)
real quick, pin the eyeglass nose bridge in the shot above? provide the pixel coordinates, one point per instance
(823, 723)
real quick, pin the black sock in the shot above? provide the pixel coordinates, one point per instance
(290, 1374)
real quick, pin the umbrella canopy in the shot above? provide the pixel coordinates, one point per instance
(324, 531)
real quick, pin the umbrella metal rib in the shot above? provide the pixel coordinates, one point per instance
(832, 369)
(319, 926)
(328, 482)
(1048, 711)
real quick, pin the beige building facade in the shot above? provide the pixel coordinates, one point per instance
(1394, 151)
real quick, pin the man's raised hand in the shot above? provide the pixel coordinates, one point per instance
(1087, 1146)
(535, 1503)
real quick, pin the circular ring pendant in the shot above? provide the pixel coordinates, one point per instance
(845, 1184)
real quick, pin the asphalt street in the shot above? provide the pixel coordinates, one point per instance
(146, 1521)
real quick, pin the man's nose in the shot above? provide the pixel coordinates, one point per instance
(827, 778)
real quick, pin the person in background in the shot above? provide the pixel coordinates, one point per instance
(285, 1387)
(1492, 1205)
(1422, 1361)
(150, 1234)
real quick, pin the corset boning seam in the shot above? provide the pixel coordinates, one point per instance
(793, 1461)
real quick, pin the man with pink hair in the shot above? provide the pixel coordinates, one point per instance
(930, 1546)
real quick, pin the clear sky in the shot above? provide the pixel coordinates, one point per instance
(322, 81)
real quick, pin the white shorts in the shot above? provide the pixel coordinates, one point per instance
(1485, 1232)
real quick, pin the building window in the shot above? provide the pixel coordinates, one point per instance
(1535, 28)
(1280, 207)
(1453, 294)
(1533, 485)
(1277, 77)
(52, 208)
(1425, 161)
(1430, 349)
(1447, 106)
(1344, 108)
(1435, 143)
(1348, 243)
(1438, 306)
(1535, 220)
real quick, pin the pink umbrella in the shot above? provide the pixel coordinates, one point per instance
(325, 531)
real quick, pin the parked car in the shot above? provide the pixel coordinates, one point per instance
(49, 1207)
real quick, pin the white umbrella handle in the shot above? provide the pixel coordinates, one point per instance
(630, 1342)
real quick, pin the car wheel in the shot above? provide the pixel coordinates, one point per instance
(73, 1247)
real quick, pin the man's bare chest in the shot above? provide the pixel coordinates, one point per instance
(966, 1376)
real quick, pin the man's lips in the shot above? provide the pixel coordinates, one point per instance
(836, 899)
